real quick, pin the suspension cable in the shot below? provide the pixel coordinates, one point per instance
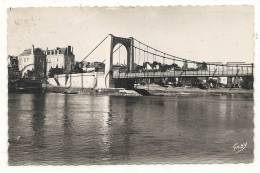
(147, 55)
(164, 58)
(145, 51)
(117, 48)
(143, 55)
(155, 55)
(183, 59)
(94, 49)
(134, 55)
(119, 55)
(139, 55)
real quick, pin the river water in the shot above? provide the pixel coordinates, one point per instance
(57, 129)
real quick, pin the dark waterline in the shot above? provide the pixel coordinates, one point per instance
(59, 129)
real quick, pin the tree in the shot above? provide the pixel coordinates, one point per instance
(165, 67)
(202, 66)
(139, 68)
(55, 71)
(155, 64)
(247, 82)
(185, 65)
(175, 66)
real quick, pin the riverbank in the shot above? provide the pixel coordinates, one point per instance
(169, 90)
(92, 91)
(153, 90)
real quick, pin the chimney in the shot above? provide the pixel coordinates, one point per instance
(69, 49)
(46, 50)
(32, 49)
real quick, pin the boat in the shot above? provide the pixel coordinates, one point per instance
(70, 92)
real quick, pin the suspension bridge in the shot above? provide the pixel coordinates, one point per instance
(144, 61)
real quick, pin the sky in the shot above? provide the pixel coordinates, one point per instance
(199, 33)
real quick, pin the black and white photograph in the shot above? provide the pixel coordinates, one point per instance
(130, 85)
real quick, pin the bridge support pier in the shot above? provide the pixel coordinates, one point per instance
(247, 82)
(124, 83)
(229, 82)
(110, 83)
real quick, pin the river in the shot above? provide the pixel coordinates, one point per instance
(58, 129)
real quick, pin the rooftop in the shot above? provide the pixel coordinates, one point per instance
(58, 50)
(26, 52)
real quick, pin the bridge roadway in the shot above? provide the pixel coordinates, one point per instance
(197, 73)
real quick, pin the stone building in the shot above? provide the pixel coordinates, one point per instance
(39, 62)
(26, 60)
(32, 61)
(13, 69)
(13, 62)
(62, 58)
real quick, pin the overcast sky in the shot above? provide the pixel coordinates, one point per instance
(212, 34)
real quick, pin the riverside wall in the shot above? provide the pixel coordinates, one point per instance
(79, 80)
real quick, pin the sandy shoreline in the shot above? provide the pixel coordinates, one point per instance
(158, 90)
(153, 90)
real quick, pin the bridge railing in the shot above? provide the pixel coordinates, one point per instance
(223, 72)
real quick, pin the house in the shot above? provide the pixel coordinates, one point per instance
(32, 60)
(26, 60)
(95, 66)
(223, 81)
(147, 66)
(13, 69)
(235, 63)
(121, 68)
(13, 62)
(62, 58)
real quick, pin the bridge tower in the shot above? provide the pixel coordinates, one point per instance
(128, 43)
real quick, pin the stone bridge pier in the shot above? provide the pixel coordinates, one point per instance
(124, 83)
(128, 43)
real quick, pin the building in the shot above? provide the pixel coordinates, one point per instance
(37, 62)
(62, 58)
(26, 60)
(217, 63)
(235, 63)
(13, 69)
(94, 67)
(32, 61)
(13, 62)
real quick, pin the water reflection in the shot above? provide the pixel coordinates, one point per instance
(116, 127)
(107, 122)
(67, 131)
(223, 109)
(83, 129)
(128, 121)
(38, 121)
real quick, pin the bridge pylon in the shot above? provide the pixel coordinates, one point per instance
(128, 43)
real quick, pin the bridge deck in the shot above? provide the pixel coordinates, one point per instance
(199, 73)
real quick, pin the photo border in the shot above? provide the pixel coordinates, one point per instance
(5, 4)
